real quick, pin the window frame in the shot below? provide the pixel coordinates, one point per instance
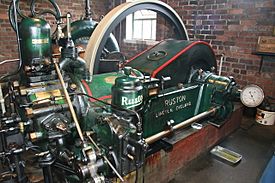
(133, 19)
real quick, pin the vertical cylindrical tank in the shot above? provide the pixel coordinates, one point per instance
(35, 37)
(128, 91)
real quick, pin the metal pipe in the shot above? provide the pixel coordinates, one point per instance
(57, 13)
(221, 62)
(162, 134)
(18, 42)
(69, 101)
(48, 175)
(68, 18)
(19, 168)
(8, 61)
(88, 12)
(46, 163)
(17, 34)
(46, 110)
(2, 101)
(106, 159)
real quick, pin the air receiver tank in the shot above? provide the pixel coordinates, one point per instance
(128, 91)
(35, 37)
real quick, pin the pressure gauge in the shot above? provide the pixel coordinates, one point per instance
(252, 96)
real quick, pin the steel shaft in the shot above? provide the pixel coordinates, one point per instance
(162, 134)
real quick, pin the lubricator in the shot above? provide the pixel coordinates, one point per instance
(128, 91)
(35, 35)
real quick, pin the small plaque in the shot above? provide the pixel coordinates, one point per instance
(266, 44)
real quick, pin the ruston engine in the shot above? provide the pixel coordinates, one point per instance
(62, 123)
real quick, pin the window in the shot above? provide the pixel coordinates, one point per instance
(141, 25)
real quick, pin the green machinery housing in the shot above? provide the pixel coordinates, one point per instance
(83, 127)
(179, 91)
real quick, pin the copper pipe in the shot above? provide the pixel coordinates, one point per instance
(164, 133)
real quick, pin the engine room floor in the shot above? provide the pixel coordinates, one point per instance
(256, 144)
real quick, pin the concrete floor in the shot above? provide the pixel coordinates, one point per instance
(256, 144)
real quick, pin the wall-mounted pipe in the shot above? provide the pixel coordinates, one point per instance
(15, 18)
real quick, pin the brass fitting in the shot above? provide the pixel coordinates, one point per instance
(29, 111)
(73, 86)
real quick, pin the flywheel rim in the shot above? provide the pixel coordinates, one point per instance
(115, 16)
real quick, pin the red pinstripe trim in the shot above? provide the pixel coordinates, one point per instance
(177, 55)
(89, 92)
(142, 52)
(105, 97)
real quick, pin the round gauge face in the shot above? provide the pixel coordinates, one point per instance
(252, 96)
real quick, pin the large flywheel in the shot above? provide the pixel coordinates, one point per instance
(113, 18)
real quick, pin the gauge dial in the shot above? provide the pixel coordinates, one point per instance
(252, 96)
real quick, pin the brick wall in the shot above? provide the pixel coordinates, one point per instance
(8, 44)
(232, 27)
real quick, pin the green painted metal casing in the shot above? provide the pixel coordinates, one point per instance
(176, 104)
(100, 86)
(35, 35)
(82, 30)
(224, 91)
(171, 105)
(128, 91)
(176, 59)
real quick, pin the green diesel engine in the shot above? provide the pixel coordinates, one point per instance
(79, 127)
